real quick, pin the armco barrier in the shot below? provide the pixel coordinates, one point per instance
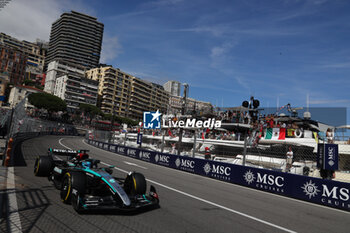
(325, 192)
(20, 137)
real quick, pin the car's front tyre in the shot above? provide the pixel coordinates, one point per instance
(135, 184)
(72, 181)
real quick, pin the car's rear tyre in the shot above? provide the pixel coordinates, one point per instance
(135, 184)
(43, 166)
(72, 180)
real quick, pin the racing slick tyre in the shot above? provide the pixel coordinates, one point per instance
(135, 184)
(76, 202)
(72, 180)
(43, 166)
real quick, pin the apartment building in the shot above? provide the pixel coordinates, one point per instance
(127, 95)
(192, 106)
(147, 96)
(57, 69)
(77, 38)
(34, 51)
(113, 89)
(75, 89)
(173, 87)
(18, 93)
(4, 80)
(13, 63)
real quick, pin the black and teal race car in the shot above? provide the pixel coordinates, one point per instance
(87, 186)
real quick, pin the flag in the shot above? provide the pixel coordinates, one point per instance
(275, 133)
(282, 134)
(268, 133)
(316, 137)
(170, 134)
(290, 132)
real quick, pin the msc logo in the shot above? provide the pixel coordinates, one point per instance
(218, 169)
(151, 120)
(162, 158)
(265, 181)
(144, 155)
(184, 163)
(131, 152)
(121, 150)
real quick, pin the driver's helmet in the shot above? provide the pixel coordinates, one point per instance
(82, 156)
(86, 164)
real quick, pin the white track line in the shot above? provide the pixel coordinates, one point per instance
(59, 141)
(14, 219)
(134, 164)
(206, 201)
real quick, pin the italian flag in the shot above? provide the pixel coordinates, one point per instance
(275, 133)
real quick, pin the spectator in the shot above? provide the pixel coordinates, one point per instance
(207, 153)
(329, 136)
(289, 159)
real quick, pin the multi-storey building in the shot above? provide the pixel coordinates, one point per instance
(146, 96)
(173, 87)
(13, 63)
(77, 38)
(192, 106)
(114, 89)
(57, 69)
(35, 52)
(127, 95)
(18, 93)
(4, 80)
(75, 89)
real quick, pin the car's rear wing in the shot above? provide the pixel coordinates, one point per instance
(65, 152)
(62, 151)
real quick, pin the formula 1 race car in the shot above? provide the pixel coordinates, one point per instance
(86, 186)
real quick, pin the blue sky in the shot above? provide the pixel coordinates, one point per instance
(278, 51)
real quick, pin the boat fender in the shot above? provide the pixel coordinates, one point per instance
(298, 133)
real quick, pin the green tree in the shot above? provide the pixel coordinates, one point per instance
(90, 110)
(29, 82)
(47, 101)
(121, 120)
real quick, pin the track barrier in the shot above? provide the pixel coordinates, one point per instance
(315, 190)
(8, 152)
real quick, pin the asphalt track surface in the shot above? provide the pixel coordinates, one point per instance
(188, 203)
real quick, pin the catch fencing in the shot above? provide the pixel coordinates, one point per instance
(18, 124)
